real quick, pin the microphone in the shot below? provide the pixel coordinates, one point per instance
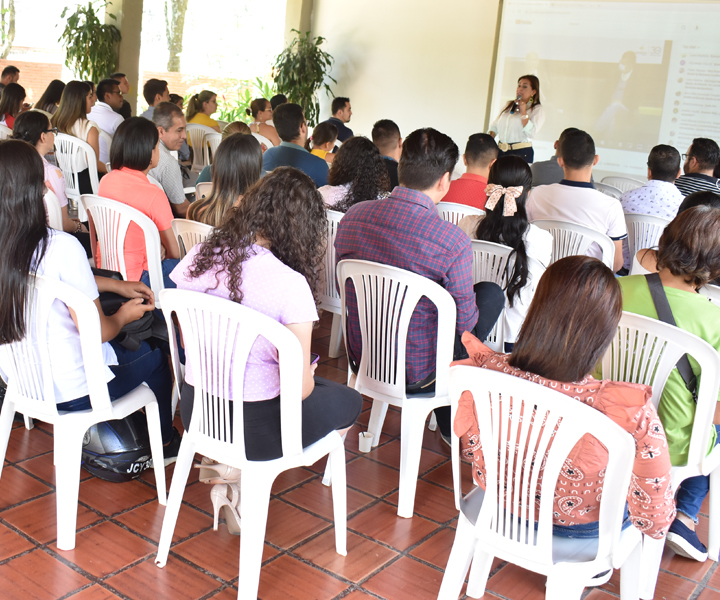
(516, 104)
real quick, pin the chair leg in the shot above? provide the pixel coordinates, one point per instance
(152, 414)
(254, 502)
(28, 423)
(630, 575)
(67, 484)
(650, 566)
(7, 414)
(336, 459)
(336, 342)
(177, 489)
(714, 529)
(459, 561)
(432, 425)
(327, 476)
(562, 587)
(479, 573)
(411, 436)
(377, 418)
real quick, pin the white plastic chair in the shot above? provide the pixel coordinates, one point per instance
(711, 292)
(212, 141)
(329, 295)
(608, 190)
(453, 212)
(31, 391)
(69, 151)
(386, 298)
(54, 212)
(263, 140)
(644, 231)
(504, 527)
(196, 134)
(624, 184)
(219, 333)
(189, 233)
(571, 239)
(109, 222)
(5, 132)
(203, 190)
(646, 351)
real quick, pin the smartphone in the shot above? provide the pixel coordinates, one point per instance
(314, 358)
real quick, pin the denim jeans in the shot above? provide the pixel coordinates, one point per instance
(167, 267)
(585, 530)
(692, 492)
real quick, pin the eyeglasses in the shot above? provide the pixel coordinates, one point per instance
(53, 130)
(118, 92)
(686, 156)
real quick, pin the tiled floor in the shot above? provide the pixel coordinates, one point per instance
(388, 557)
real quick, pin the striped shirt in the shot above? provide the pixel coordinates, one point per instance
(697, 182)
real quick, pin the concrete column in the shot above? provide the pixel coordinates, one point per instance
(298, 16)
(128, 20)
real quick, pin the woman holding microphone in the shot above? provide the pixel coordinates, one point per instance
(520, 120)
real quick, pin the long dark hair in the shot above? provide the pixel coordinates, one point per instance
(23, 222)
(509, 171)
(12, 99)
(29, 126)
(52, 94)
(534, 84)
(285, 209)
(73, 106)
(359, 163)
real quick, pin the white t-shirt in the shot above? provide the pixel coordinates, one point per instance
(66, 261)
(509, 128)
(578, 202)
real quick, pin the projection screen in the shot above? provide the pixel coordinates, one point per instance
(632, 74)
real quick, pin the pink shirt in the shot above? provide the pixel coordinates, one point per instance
(56, 180)
(269, 287)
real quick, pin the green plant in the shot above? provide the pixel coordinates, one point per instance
(90, 46)
(300, 72)
(234, 109)
(7, 26)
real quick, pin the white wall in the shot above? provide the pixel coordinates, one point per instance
(422, 64)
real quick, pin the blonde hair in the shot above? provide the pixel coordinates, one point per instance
(236, 127)
(196, 102)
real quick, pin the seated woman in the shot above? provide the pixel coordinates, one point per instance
(91, 100)
(29, 246)
(266, 256)
(505, 222)
(134, 151)
(200, 108)
(357, 173)
(34, 127)
(51, 96)
(237, 166)
(232, 128)
(688, 257)
(261, 111)
(11, 103)
(571, 321)
(323, 141)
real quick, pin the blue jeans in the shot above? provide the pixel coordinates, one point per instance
(167, 267)
(692, 492)
(134, 368)
(585, 530)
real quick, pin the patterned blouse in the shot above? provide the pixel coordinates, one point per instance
(579, 489)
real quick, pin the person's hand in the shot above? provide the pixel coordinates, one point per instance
(135, 289)
(25, 107)
(82, 229)
(313, 368)
(134, 309)
(163, 252)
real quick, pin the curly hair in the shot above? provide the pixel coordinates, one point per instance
(359, 163)
(286, 210)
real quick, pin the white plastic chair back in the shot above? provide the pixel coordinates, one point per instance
(5, 132)
(222, 124)
(263, 140)
(212, 141)
(109, 222)
(515, 413)
(196, 135)
(189, 233)
(27, 365)
(711, 292)
(155, 182)
(644, 231)
(453, 212)
(608, 190)
(203, 190)
(329, 295)
(69, 151)
(624, 184)
(54, 212)
(490, 262)
(49, 115)
(571, 239)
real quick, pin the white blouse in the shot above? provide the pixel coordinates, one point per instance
(508, 128)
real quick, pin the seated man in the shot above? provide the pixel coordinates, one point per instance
(575, 200)
(170, 122)
(125, 110)
(702, 157)
(155, 91)
(9, 74)
(341, 113)
(549, 171)
(386, 136)
(480, 153)
(109, 99)
(292, 129)
(405, 231)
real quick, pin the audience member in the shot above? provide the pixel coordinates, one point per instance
(11, 103)
(386, 136)
(292, 129)
(322, 141)
(51, 96)
(572, 320)
(575, 200)
(277, 100)
(688, 257)
(178, 100)
(28, 246)
(104, 115)
(92, 98)
(200, 108)
(170, 123)
(406, 231)
(341, 114)
(261, 111)
(230, 129)
(549, 171)
(10, 74)
(481, 152)
(238, 163)
(125, 111)
(133, 153)
(702, 157)
(357, 174)
(71, 118)
(155, 91)
(505, 222)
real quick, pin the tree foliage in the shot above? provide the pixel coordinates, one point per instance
(7, 26)
(174, 25)
(90, 46)
(300, 72)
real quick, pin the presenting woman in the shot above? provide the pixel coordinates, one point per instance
(520, 121)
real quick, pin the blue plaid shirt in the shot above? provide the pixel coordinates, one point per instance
(405, 231)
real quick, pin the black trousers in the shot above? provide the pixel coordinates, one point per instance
(527, 154)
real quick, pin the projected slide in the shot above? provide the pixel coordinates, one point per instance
(632, 74)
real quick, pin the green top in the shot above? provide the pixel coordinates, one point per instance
(693, 313)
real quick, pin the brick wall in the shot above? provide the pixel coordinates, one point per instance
(34, 76)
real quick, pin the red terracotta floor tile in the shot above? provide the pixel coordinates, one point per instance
(25, 444)
(371, 477)
(291, 478)
(380, 522)
(95, 592)
(708, 594)
(358, 595)
(112, 498)
(431, 501)
(391, 425)
(198, 495)
(331, 373)
(406, 579)
(598, 594)
(147, 521)
(363, 556)
(516, 583)
(685, 567)
(289, 579)
(436, 550)
(42, 467)
(288, 526)
(176, 580)
(229, 593)
(713, 582)
(669, 586)
(389, 454)
(39, 576)
(317, 498)
(442, 475)
(17, 487)
(12, 544)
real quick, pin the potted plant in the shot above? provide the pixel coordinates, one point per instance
(300, 71)
(90, 46)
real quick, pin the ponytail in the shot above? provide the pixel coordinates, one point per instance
(196, 102)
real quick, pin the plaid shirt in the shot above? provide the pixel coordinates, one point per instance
(406, 231)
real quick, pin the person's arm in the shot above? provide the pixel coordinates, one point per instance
(126, 289)
(618, 260)
(93, 139)
(168, 241)
(458, 281)
(270, 133)
(110, 326)
(180, 210)
(532, 120)
(303, 332)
